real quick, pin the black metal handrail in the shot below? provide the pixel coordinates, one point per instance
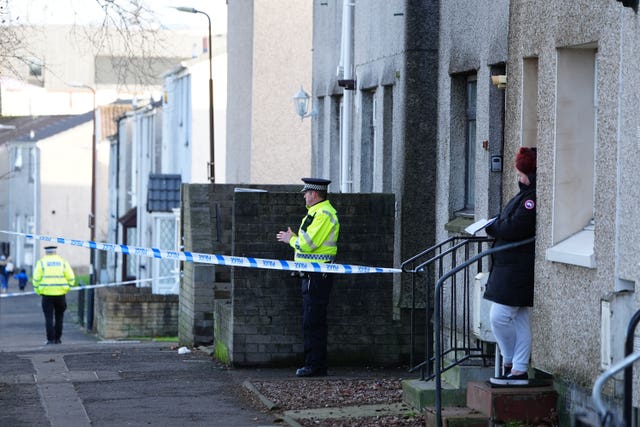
(430, 263)
(628, 371)
(607, 418)
(437, 312)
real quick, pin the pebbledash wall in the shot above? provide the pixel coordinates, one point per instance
(256, 317)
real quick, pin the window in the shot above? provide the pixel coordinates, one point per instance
(387, 137)
(462, 151)
(470, 146)
(35, 68)
(367, 141)
(376, 135)
(32, 165)
(165, 272)
(16, 162)
(335, 144)
(462, 137)
(574, 168)
(130, 261)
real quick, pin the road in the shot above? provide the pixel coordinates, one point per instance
(89, 382)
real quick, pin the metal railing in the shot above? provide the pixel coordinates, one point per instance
(431, 263)
(606, 417)
(427, 266)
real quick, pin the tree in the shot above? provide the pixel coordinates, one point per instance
(129, 35)
(11, 40)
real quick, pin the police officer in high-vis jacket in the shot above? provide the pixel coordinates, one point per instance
(316, 241)
(52, 278)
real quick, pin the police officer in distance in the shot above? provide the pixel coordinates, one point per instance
(52, 279)
(316, 241)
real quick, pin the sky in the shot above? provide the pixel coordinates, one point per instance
(89, 11)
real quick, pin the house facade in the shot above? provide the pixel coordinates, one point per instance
(46, 185)
(389, 141)
(270, 53)
(66, 74)
(428, 125)
(572, 92)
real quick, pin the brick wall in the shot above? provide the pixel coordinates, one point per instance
(127, 311)
(258, 321)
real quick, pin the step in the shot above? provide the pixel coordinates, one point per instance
(455, 417)
(532, 403)
(419, 393)
(461, 375)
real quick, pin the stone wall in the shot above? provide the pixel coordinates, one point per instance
(127, 311)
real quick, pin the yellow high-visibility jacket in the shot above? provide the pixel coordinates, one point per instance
(317, 239)
(53, 276)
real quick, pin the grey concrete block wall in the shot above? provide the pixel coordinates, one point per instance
(206, 221)
(261, 322)
(128, 311)
(267, 305)
(195, 313)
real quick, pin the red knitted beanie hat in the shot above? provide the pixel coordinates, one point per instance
(526, 160)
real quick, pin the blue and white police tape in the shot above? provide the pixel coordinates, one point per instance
(232, 261)
(83, 287)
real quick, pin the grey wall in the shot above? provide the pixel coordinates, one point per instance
(395, 55)
(473, 41)
(240, 80)
(259, 322)
(206, 221)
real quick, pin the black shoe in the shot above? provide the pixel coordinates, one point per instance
(522, 379)
(58, 342)
(310, 372)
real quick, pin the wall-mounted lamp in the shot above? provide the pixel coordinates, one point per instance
(500, 81)
(301, 104)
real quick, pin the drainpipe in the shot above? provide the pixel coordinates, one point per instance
(117, 191)
(346, 63)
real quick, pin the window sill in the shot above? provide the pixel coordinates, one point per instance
(576, 250)
(458, 224)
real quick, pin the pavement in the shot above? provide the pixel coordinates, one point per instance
(86, 381)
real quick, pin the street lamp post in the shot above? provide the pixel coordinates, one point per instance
(212, 168)
(92, 214)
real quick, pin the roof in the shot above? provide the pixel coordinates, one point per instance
(164, 192)
(36, 128)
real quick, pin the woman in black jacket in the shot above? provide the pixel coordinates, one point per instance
(510, 284)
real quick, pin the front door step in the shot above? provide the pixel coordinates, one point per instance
(504, 404)
(418, 394)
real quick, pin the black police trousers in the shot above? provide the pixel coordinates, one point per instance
(53, 308)
(316, 288)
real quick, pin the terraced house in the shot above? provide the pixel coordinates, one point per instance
(424, 122)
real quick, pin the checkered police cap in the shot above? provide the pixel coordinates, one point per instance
(317, 184)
